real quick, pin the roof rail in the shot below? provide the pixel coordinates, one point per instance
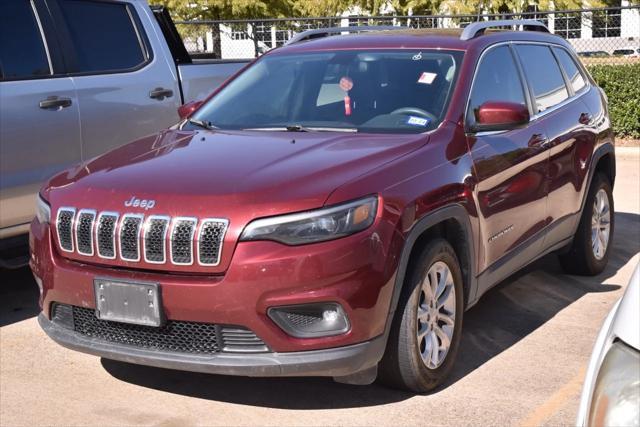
(325, 32)
(477, 28)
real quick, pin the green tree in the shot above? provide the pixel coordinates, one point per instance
(228, 9)
(187, 10)
(310, 8)
(492, 6)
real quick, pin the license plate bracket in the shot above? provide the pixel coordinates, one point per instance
(128, 302)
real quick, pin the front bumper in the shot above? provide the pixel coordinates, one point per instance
(356, 272)
(333, 362)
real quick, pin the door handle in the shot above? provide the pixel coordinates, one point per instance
(160, 93)
(538, 140)
(54, 103)
(585, 118)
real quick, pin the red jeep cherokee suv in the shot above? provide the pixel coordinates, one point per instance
(334, 208)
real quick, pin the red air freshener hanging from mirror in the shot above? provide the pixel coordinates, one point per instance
(346, 84)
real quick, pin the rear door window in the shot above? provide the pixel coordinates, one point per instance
(570, 69)
(497, 79)
(544, 76)
(104, 36)
(22, 50)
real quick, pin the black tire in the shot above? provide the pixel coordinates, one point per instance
(402, 366)
(580, 258)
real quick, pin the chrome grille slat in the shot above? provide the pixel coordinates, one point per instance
(155, 238)
(132, 237)
(210, 239)
(182, 240)
(84, 231)
(64, 228)
(106, 226)
(129, 237)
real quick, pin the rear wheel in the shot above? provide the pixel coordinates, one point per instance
(425, 334)
(589, 252)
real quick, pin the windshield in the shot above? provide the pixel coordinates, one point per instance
(349, 91)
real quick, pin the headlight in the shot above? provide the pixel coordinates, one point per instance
(315, 226)
(617, 389)
(43, 211)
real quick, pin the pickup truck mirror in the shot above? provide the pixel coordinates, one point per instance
(498, 115)
(187, 109)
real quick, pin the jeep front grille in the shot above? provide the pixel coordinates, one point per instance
(84, 231)
(131, 237)
(182, 240)
(106, 234)
(155, 236)
(210, 241)
(64, 225)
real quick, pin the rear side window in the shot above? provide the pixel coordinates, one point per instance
(543, 75)
(22, 51)
(570, 69)
(103, 35)
(497, 79)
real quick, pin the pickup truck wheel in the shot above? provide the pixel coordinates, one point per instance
(425, 334)
(589, 252)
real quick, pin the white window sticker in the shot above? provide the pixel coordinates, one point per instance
(417, 121)
(427, 78)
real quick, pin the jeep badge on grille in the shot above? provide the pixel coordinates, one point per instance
(138, 203)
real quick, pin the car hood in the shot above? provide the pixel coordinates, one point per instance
(234, 168)
(238, 176)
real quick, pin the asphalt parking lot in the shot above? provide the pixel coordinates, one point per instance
(525, 349)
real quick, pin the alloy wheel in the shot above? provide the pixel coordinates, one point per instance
(600, 224)
(436, 315)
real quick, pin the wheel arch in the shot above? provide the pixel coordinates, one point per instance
(606, 164)
(603, 160)
(451, 223)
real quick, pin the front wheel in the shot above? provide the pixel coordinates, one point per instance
(589, 252)
(425, 334)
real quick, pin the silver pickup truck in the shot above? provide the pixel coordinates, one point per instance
(78, 78)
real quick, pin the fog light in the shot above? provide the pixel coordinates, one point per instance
(311, 320)
(330, 316)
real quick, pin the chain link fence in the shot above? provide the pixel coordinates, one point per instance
(600, 36)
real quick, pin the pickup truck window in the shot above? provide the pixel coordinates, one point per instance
(103, 35)
(22, 50)
(383, 91)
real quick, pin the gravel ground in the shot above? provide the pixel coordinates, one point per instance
(525, 349)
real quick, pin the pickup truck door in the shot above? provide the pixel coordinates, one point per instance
(39, 117)
(511, 168)
(125, 79)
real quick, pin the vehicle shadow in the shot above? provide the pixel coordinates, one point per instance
(525, 301)
(504, 316)
(18, 296)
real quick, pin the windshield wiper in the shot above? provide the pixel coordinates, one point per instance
(205, 124)
(300, 128)
(297, 128)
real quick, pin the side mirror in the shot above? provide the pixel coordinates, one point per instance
(497, 115)
(187, 109)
